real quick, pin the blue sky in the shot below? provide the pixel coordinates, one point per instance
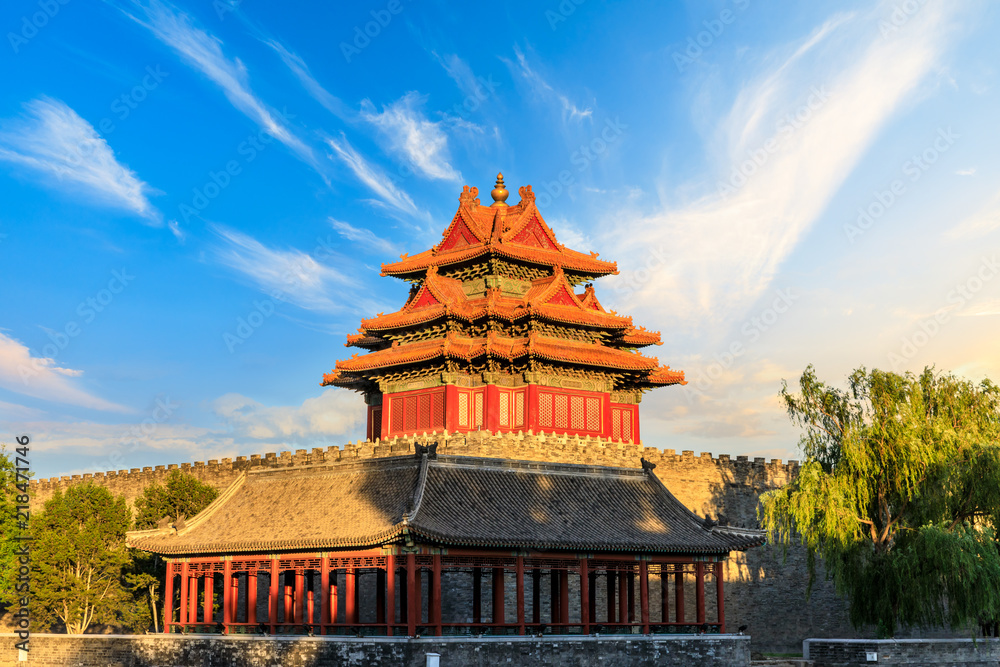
(195, 200)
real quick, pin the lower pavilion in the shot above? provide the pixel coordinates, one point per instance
(495, 337)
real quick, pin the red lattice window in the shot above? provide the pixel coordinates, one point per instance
(519, 408)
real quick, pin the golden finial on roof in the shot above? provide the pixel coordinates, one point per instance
(499, 193)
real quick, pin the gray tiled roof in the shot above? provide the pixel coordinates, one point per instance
(449, 501)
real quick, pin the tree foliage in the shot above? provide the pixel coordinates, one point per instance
(78, 557)
(899, 495)
(182, 495)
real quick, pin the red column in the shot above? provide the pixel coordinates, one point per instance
(491, 409)
(227, 608)
(635, 426)
(611, 580)
(386, 404)
(380, 595)
(183, 611)
(208, 585)
(644, 596)
(564, 598)
(390, 568)
(531, 408)
(623, 611)
(193, 598)
(592, 600)
(350, 602)
(289, 617)
(413, 594)
(252, 597)
(310, 616)
(234, 599)
(435, 601)
(168, 598)
(477, 595)
(272, 596)
(720, 595)
(324, 593)
(630, 582)
(451, 408)
(300, 598)
(334, 600)
(699, 591)
(679, 593)
(584, 596)
(519, 589)
(606, 415)
(498, 615)
(536, 596)
(555, 599)
(664, 594)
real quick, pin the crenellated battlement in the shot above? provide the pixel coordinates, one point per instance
(676, 470)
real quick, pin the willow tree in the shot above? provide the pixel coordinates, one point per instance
(899, 495)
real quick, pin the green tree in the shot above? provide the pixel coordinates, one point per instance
(899, 495)
(78, 557)
(182, 495)
(8, 529)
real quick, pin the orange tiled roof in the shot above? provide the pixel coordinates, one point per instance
(517, 232)
(453, 346)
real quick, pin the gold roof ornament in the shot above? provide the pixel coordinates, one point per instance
(499, 193)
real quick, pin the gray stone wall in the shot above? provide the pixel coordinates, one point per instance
(855, 652)
(198, 651)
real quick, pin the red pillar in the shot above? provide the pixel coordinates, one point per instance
(350, 601)
(234, 598)
(555, 599)
(644, 596)
(272, 596)
(536, 596)
(299, 602)
(324, 593)
(390, 569)
(564, 599)
(380, 595)
(498, 615)
(435, 601)
(584, 596)
(451, 408)
(699, 591)
(310, 617)
(193, 598)
(664, 594)
(227, 608)
(491, 409)
(531, 408)
(477, 595)
(720, 595)
(334, 600)
(289, 618)
(606, 415)
(679, 593)
(519, 590)
(168, 598)
(630, 581)
(386, 404)
(611, 580)
(252, 597)
(183, 611)
(592, 600)
(623, 611)
(208, 585)
(413, 594)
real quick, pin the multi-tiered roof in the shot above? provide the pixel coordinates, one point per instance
(500, 294)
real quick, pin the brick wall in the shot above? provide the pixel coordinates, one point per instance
(764, 591)
(197, 651)
(851, 652)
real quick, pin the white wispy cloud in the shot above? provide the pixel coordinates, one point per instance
(298, 66)
(971, 171)
(419, 141)
(363, 237)
(333, 415)
(374, 178)
(981, 223)
(53, 140)
(714, 257)
(42, 377)
(570, 111)
(289, 275)
(204, 52)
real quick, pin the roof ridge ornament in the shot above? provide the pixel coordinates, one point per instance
(647, 466)
(499, 193)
